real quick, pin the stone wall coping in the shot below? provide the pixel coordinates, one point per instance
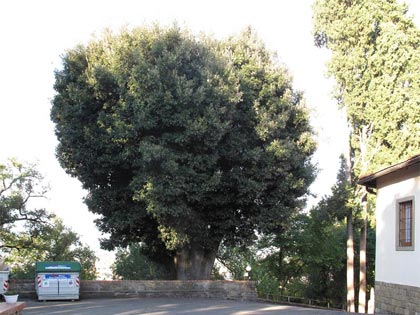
(169, 281)
(238, 290)
(12, 309)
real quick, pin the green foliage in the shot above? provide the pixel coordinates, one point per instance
(20, 184)
(235, 259)
(310, 262)
(376, 64)
(266, 283)
(182, 142)
(133, 264)
(324, 257)
(28, 234)
(308, 259)
(56, 243)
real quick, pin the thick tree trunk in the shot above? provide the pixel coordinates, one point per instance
(194, 262)
(350, 264)
(363, 241)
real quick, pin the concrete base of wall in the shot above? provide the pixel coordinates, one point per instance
(391, 298)
(235, 290)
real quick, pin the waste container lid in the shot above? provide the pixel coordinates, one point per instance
(57, 266)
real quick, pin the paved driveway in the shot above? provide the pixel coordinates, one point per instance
(165, 306)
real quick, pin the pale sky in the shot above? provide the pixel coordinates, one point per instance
(34, 34)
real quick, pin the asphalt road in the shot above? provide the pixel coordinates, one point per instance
(165, 306)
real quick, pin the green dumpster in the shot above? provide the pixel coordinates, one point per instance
(57, 280)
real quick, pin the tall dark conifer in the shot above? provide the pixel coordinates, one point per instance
(376, 64)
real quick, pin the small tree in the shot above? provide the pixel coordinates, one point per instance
(29, 234)
(20, 223)
(56, 243)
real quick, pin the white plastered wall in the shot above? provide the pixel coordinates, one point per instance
(392, 266)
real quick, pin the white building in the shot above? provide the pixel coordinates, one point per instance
(397, 274)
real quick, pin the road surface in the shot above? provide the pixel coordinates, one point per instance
(166, 306)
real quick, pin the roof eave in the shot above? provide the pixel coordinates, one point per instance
(369, 180)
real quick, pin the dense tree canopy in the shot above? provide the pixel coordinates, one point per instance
(182, 141)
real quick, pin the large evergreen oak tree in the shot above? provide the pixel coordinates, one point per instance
(182, 142)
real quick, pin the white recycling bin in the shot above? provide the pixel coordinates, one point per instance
(57, 280)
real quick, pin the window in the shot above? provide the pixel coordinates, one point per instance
(405, 224)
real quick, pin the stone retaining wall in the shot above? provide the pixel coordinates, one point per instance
(391, 298)
(25, 288)
(236, 290)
